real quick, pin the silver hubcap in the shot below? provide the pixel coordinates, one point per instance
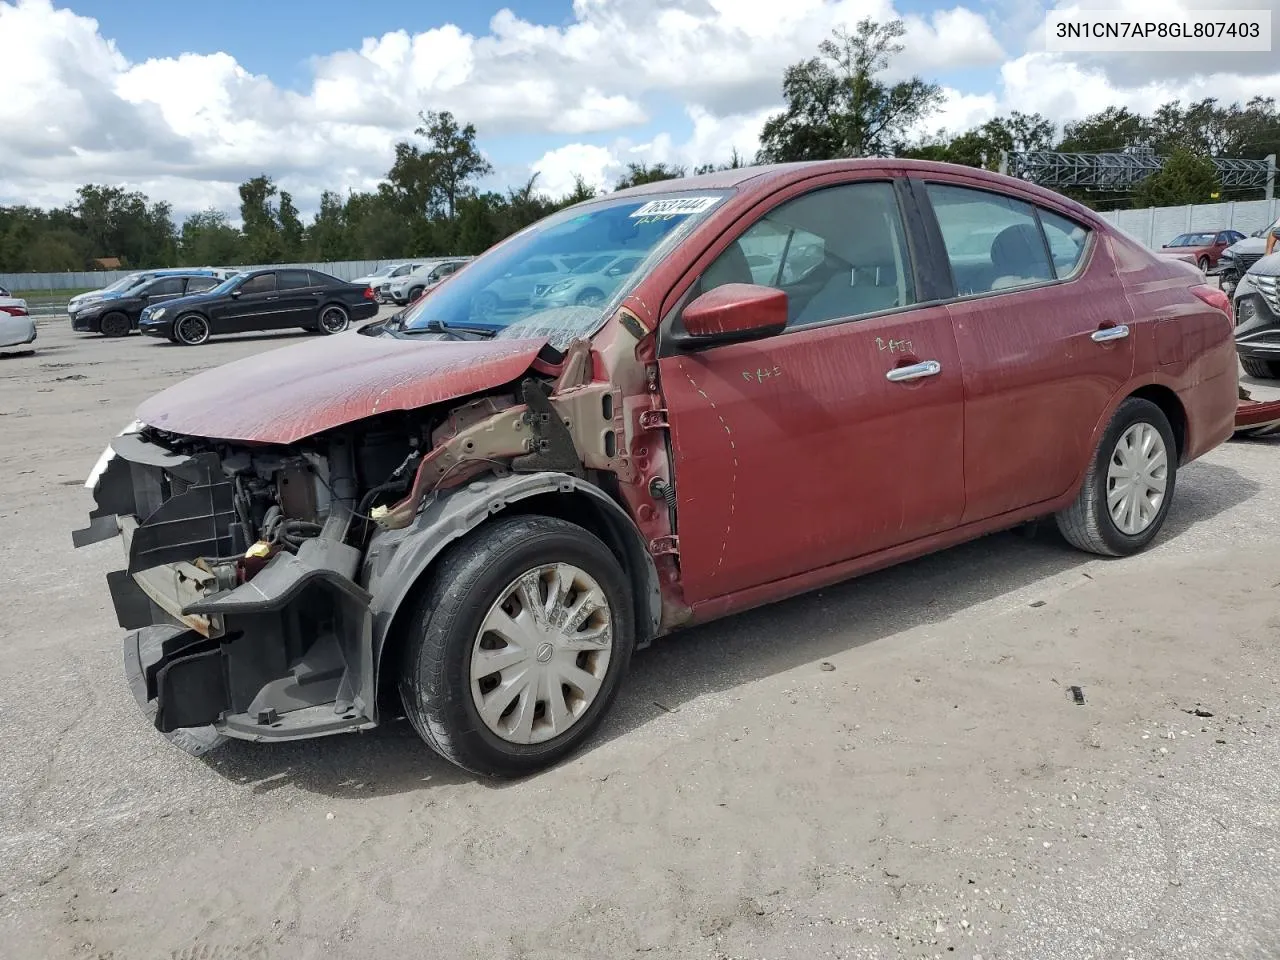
(333, 320)
(541, 655)
(1137, 478)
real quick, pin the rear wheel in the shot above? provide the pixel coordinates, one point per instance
(518, 646)
(334, 319)
(114, 325)
(1262, 369)
(1125, 497)
(191, 330)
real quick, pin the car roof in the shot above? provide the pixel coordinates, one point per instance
(765, 178)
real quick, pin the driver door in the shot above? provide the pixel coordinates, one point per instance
(841, 436)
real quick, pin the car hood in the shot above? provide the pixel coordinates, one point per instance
(190, 299)
(1248, 245)
(285, 395)
(1266, 267)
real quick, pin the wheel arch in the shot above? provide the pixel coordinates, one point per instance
(400, 562)
(1171, 406)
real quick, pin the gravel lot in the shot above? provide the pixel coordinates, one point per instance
(890, 768)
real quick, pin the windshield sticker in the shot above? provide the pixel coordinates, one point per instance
(681, 207)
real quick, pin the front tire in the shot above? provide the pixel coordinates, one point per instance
(518, 646)
(1125, 497)
(1203, 264)
(114, 325)
(1262, 369)
(191, 330)
(414, 294)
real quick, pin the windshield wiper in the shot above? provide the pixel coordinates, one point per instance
(439, 326)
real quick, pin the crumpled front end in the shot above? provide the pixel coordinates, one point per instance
(238, 589)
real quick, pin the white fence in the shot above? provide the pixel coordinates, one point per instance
(93, 279)
(1158, 225)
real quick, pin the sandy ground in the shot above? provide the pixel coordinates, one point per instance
(891, 768)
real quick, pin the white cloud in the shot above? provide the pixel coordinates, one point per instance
(188, 128)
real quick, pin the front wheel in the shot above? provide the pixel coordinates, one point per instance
(1204, 264)
(1261, 369)
(518, 646)
(191, 330)
(414, 294)
(1125, 497)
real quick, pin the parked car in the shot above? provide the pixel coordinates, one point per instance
(517, 288)
(386, 275)
(133, 279)
(411, 286)
(1203, 249)
(117, 315)
(589, 283)
(1257, 311)
(268, 299)
(1240, 257)
(483, 518)
(17, 326)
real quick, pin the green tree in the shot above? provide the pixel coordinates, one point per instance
(208, 239)
(454, 158)
(638, 173)
(836, 106)
(1185, 177)
(292, 233)
(328, 236)
(263, 240)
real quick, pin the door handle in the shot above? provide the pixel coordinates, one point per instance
(929, 368)
(1110, 333)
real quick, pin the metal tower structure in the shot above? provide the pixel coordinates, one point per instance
(1122, 172)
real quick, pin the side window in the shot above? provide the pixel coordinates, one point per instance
(992, 241)
(201, 284)
(262, 283)
(166, 287)
(837, 252)
(294, 279)
(1067, 241)
(315, 279)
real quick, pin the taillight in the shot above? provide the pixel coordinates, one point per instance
(14, 310)
(1214, 298)
(368, 293)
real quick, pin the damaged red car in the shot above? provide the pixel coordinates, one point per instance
(475, 517)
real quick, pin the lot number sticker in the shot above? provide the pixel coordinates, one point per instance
(680, 207)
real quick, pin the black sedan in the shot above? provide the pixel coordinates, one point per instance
(115, 316)
(271, 299)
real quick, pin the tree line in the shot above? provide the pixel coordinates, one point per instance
(836, 105)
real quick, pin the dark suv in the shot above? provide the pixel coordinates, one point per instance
(117, 316)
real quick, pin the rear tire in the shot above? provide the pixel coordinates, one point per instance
(1262, 369)
(472, 585)
(1091, 523)
(333, 319)
(114, 325)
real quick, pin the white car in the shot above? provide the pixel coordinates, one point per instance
(387, 274)
(17, 328)
(411, 286)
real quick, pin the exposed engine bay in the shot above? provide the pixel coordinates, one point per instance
(261, 579)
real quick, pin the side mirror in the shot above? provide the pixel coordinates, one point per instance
(733, 312)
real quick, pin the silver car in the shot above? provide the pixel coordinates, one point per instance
(17, 328)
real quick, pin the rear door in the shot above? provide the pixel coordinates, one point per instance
(804, 449)
(300, 295)
(1046, 339)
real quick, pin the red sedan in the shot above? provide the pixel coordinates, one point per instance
(814, 371)
(1202, 249)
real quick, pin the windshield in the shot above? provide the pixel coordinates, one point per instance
(384, 271)
(226, 285)
(507, 290)
(124, 283)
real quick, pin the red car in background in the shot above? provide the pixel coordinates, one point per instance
(1202, 249)
(816, 370)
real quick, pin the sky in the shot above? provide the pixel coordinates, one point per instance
(185, 100)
